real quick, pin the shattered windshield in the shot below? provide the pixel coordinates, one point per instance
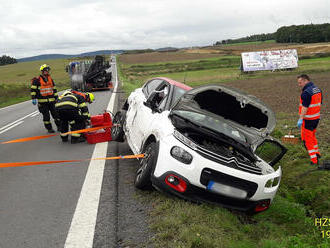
(211, 123)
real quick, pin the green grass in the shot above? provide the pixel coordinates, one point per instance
(300, 199)
(15, 79)
(207, 71)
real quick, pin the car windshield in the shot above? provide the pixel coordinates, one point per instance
(211, 123)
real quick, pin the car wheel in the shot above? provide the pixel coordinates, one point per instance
(143, 173)
(117, 130)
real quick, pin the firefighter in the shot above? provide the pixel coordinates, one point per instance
(309, 116)
(44, 93)
(73, 111)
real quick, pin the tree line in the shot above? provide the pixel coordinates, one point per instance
(309, 33)
(304, 33)
(255, 37)
(6, 60)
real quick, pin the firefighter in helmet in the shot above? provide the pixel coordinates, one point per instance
(44, 93)
(73, 112)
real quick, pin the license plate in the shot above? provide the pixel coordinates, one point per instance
(226, 190)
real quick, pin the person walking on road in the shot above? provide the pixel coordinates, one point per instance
(73, 111)
(309, 115)
(44, 93)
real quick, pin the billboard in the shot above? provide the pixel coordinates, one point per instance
(270, 60)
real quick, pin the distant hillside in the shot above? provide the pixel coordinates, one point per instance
(167, 49)
(63, 56)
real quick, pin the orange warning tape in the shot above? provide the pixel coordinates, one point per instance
(51, 135)
(20, 164)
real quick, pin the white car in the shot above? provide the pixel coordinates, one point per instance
(209, 143)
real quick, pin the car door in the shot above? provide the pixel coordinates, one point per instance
(142, 116)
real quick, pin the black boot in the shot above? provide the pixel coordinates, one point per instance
(77, 140)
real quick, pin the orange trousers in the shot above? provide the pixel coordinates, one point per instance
(310, 142)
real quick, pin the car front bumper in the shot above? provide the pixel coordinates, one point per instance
(201, 171)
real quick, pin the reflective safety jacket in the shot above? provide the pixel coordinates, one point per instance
(314, 94)
(73, 101)
(43, 89)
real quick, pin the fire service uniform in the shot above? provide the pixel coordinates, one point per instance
(44, 92)
(73, 111)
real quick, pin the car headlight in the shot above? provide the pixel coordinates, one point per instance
(184, 139)
(181, 154)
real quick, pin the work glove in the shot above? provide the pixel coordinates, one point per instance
(34, 101)
(299, 123)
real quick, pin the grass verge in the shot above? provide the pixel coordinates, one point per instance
(15, 79)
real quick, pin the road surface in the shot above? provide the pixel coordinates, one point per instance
(87, 204)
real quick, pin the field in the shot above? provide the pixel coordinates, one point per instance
(15, 79)
(303, 195)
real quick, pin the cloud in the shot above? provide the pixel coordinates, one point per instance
(30, 28)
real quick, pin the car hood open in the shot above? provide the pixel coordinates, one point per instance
(246, 112)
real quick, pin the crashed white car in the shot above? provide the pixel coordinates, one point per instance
(209, 143)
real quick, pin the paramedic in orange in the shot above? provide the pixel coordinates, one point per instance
(44, 93)
(309, 115)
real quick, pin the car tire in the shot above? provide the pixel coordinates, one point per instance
(143, 173)
(117, 130)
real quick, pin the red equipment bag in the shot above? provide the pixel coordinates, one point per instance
(101, 135)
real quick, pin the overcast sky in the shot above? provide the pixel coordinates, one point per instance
(30, 27)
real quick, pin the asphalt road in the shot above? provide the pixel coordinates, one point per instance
(86, 204)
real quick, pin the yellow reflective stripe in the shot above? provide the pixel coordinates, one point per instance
(34, 87)
(75, 134)
(33, 93)
(63, 135)
(59, 104)
(47, 122)
(86, 114)
(42, 100)
(51, 99)
(72, 96)
(72, 122)
(82, 105)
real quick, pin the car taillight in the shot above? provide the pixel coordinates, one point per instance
(262, 206)
(176, 183)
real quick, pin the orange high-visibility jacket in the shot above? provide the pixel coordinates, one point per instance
(42, 90)
(46, 88)
(314, 108)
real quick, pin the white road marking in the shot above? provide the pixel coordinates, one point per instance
(20, 119)
(81, 233)
(12, 126)
(35, 114)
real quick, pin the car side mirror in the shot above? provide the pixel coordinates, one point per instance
(151, 101)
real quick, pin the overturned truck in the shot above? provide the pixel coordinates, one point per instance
(90, 75)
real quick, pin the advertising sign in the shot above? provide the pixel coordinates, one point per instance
(270, 60)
